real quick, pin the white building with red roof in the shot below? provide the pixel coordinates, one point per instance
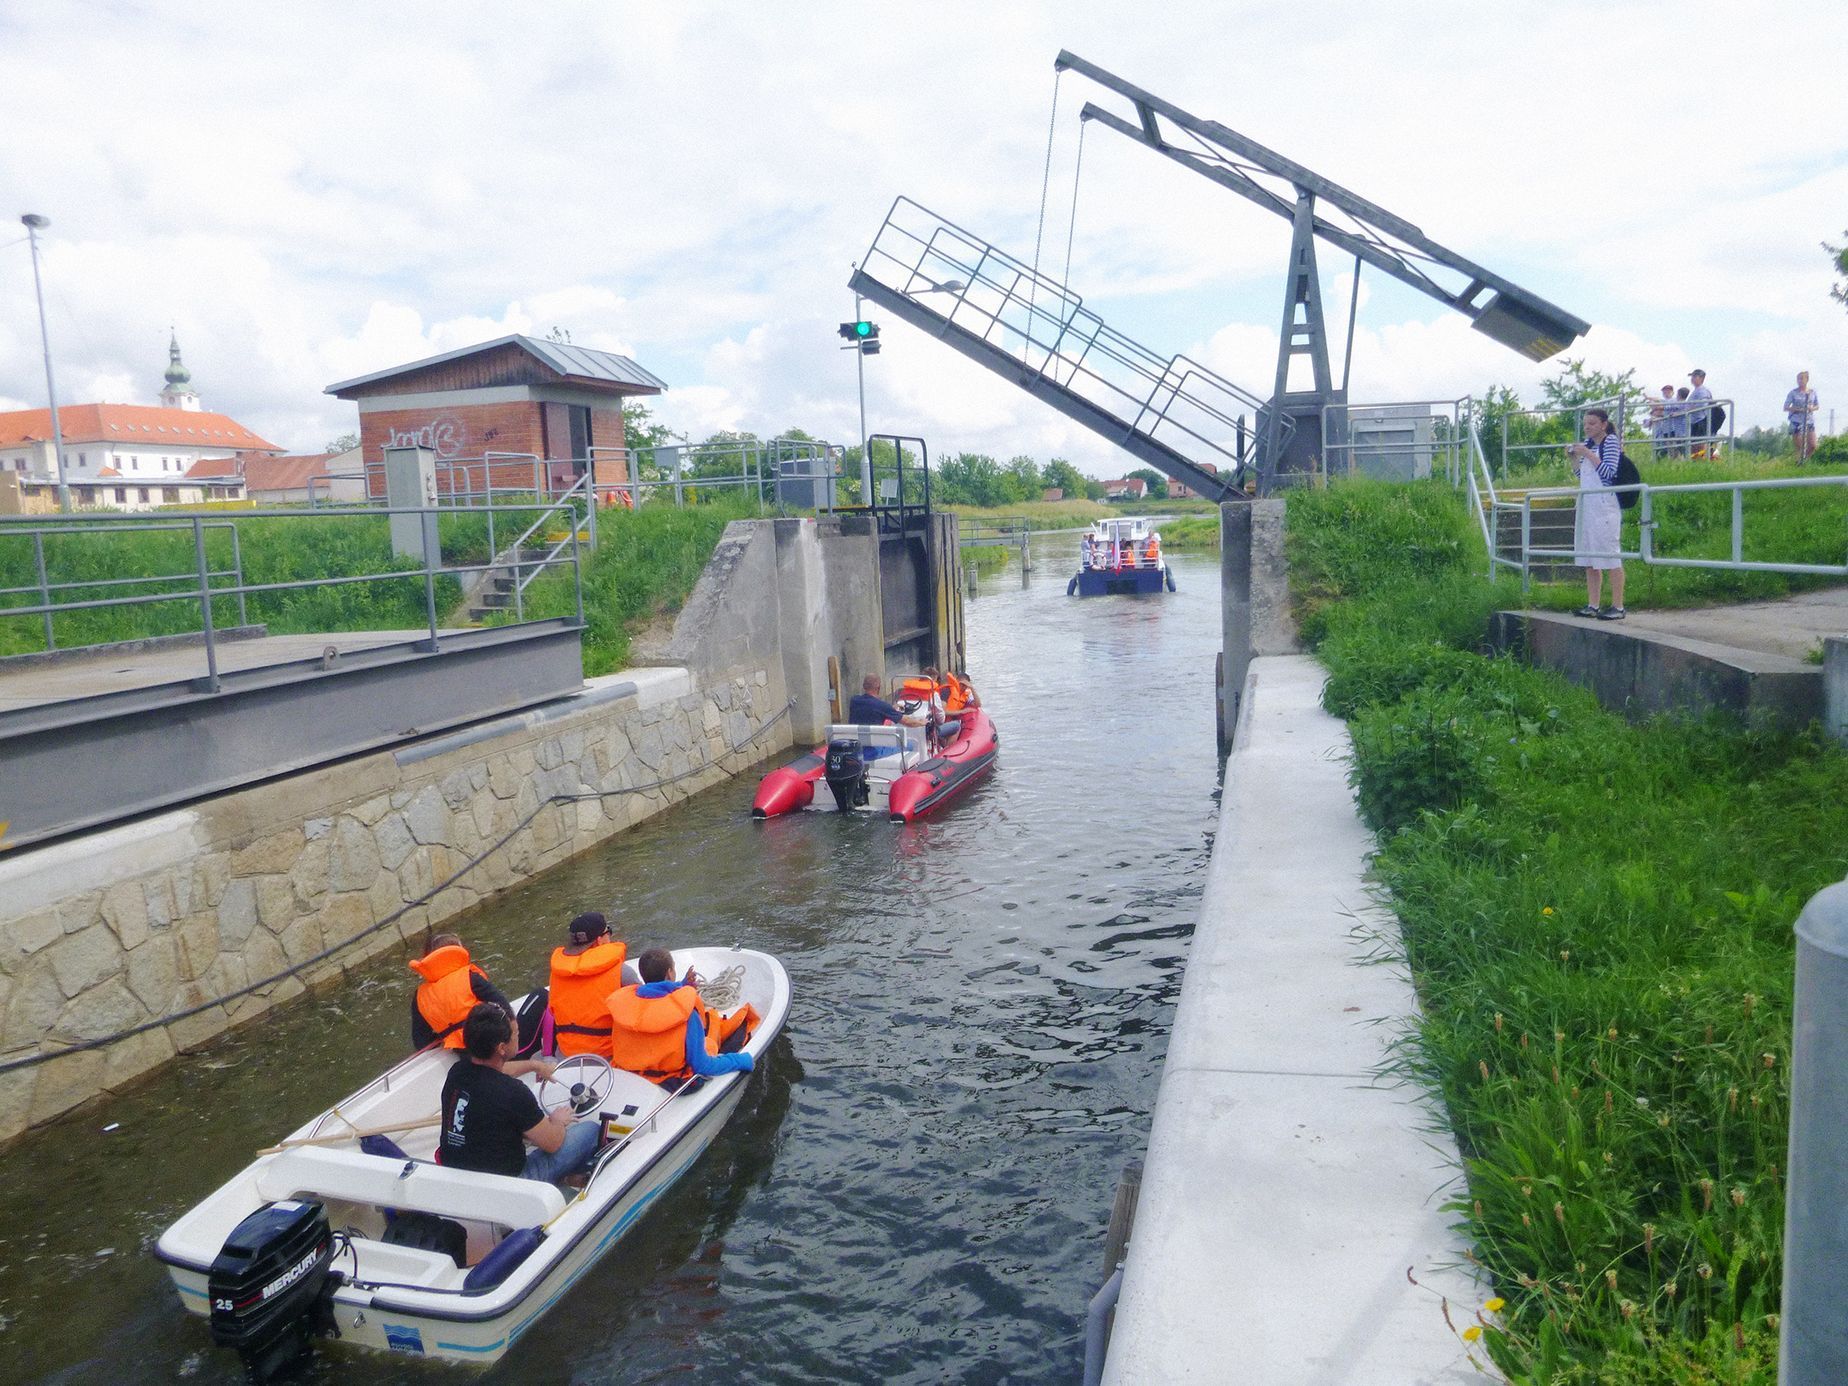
(132, 456)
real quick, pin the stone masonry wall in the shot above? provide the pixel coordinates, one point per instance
(142, 922)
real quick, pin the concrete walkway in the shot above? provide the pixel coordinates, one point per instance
(1790, 626)
(1285, 1193)
(83, 674)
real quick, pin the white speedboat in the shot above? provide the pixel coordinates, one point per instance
(348, 1230)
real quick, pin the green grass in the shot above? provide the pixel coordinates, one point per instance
(1191, 532)
(273, 550)
(645, 566)
(1597, 917)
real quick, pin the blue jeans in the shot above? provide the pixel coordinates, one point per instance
(580, 1146)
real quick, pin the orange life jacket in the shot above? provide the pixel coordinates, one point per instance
(920, 688)
(447, 995)
(648, 1034)
(581, 987)
(958, 696)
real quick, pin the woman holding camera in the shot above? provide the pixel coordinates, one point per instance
(1597, 540)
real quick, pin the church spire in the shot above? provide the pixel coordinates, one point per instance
(179, 393)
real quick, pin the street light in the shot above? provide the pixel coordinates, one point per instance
(34, 223)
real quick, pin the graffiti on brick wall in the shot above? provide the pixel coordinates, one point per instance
(444, 435)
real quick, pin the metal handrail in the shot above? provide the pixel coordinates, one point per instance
(1155, 392)
(206, 592)
(1647, 525)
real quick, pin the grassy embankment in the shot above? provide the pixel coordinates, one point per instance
(1598, 920)
(645, 566)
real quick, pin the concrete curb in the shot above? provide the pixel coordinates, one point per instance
(1287, 1192)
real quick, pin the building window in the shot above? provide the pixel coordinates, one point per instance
(121, 495)
(169, 494)
(144, 495)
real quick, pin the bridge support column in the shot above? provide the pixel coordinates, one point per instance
(1235, 613)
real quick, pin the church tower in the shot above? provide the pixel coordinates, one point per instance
(179, 393)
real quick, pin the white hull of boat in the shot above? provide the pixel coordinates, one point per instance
(382, 1308)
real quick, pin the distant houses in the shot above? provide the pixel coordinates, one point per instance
(1126, 488)
(128, 456)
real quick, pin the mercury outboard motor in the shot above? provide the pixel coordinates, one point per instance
(271, 1290)
(846, 774)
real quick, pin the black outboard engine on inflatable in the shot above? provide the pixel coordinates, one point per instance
(271, 1290)
(846, 774)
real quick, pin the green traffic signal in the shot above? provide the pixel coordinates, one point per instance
(859, 331)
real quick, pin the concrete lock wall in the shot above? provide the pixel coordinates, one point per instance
(1254, 589)
(138, 923)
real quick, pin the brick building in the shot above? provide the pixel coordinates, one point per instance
(516, 395)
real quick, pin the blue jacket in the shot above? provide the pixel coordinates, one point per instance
(704, 1064)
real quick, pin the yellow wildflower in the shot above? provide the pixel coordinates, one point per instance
(1494, 1306)
(1472, 1333)
(1547, 910)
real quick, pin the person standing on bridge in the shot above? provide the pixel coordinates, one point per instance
(1597, 543)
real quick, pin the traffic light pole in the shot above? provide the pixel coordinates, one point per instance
(866, 454)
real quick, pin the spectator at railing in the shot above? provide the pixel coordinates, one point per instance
(1662, 421)
(1700, 416)
(1800, 409)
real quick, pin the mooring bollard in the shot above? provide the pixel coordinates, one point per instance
(1813, 1346)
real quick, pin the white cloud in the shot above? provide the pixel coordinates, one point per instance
(308, 200)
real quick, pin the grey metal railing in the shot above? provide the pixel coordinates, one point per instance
(204, 585)
(1624, 410)
(1646, 550)
(44, 587)
(1355, 434)
(1176, 401)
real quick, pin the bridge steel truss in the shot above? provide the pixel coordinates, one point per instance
(1495, 306)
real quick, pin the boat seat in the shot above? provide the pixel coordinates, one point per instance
(351, 1177)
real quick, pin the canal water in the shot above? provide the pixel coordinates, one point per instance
(917, 1185)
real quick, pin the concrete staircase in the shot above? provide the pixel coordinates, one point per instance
(494, 592)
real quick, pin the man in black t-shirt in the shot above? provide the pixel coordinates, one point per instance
(489, 1115)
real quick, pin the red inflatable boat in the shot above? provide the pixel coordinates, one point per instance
(884, 769)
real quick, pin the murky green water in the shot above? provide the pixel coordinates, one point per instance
(915, 1189)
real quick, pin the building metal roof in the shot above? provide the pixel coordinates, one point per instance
(575, 362)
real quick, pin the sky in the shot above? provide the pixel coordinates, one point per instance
(312, 192)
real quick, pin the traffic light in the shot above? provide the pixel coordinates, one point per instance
(863, 335)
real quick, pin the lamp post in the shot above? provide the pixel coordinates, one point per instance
(34, 223)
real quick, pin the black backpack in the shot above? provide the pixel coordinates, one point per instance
(1716, 419)
(1627, 475)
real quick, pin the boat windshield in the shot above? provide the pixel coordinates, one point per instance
(881, 740)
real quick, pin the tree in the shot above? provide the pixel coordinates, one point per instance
(1067, 478)
(968, 478)
(346, 442)
(1158, 484)
(1838, 257)
(1577, 384)
(1022, 480)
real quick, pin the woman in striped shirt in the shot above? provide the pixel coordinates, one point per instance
(1597, 546)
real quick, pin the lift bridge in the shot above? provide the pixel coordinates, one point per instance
(1170, 411)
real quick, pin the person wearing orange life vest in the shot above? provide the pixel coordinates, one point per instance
(661, 1029)
(958, 694)
(452, 987)
(584, 973)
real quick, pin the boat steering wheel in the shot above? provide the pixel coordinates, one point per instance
(586, 1080)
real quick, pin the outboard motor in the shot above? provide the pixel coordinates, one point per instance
(846, 774)
(271, 1289)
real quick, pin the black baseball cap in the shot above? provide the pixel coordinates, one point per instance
(588, 927)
